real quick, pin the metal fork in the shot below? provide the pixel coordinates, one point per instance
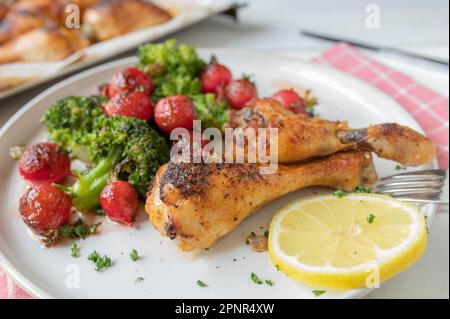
(427, 186)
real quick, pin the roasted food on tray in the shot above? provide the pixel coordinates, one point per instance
(38, 30)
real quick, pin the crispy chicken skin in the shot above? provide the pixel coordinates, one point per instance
(4, 9)
(301, 137)
(27, 15)
(48, 43)
(111, 18)
(199, 203)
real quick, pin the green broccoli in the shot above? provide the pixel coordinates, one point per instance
(176, 71)
(128, 148)
(68, 120)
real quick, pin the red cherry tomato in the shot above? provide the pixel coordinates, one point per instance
(130, 80)
(290, 100)
(45, 207)
(119, 201)
(134, 104)
(44, 162)
(174, 111)
(215, 78)
(240, 92)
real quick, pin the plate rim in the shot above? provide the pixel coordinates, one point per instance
(37, 292)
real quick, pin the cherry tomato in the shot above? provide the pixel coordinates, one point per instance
(45, 207)
(240, 92)
(129, 80)
(44, 162)
(174, 111)
(134, 104)
(290, 100)
(215, 77)
(119, 201)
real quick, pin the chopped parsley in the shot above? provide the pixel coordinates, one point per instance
(138, 280)
(398, 167)
(100, 262)
(363, 189)
(252, 234)
(255, 279)
(269, 282)
(78, 230)
(266, 234)
(318, 293)
(371, 218)
(134, 255)
(16, 152)
(100, 212)
(74, 250)
(201, 284)
(277, 267)
(340, 193)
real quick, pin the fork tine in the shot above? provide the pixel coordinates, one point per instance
(419, 175)
(393, 184)
(405, 191)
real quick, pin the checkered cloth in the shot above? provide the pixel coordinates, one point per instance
(428, 108)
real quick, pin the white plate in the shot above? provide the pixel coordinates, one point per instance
(169, 273)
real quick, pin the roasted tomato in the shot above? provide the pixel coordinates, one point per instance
(45, 207)
(240, 92)
(119, 201)
(173, 112)
(134, 104)
(44, 162)
(290, 100)
(129, 80)
(215, 77)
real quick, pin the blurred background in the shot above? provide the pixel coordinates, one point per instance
(275, 26)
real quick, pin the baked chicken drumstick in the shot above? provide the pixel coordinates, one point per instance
(199, 203)
(301, 137)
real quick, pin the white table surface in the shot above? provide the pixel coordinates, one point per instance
(420, 26)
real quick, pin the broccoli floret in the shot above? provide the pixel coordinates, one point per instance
(68, 120)
(212, 113)
(175, 71)
(143, 149)
(128, 148)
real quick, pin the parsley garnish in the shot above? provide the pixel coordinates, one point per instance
(100, 212)
(134, 255)
(100, 262)
(370, 218)
(269, 282)
(75, 250)
(255, 279)
(266, 234)
(201, 284)
(78, 230)
(399, 167)
(277, 267)
(363, 189)
(318, 293)
(339, 193)
(139, 280)
(252, 234)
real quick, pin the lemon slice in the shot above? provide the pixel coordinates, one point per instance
(355, 241)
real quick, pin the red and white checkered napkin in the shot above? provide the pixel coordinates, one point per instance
(428, 108)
